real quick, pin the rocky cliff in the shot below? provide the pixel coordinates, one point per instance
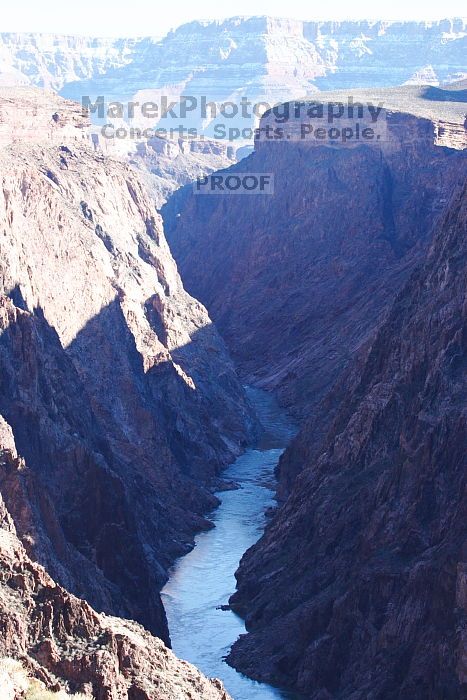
(297, 280)
(61, 641)
(165, 164)
(52, 61)
(358, 588)
(263, 58)
(276, 57)
(119, 392)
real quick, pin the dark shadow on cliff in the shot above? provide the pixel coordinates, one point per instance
(80, 503)
(120, 456)
(297, 281)
(437, 94)
(16, 296)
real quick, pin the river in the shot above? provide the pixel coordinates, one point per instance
(204, 579)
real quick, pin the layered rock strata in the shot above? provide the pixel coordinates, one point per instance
(298, 279)
(357, 589)
(119, 392)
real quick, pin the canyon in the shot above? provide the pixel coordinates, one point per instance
(63, 644)
(127, 339)
(266, 59)
(119, 402)
(323, 295)
(165, 164)
(319, 281)
(362, 573)
(51, 61)
(258, 59)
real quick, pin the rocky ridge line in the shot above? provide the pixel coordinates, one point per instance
(361, 574)
(120, 394)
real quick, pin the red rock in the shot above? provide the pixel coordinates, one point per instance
(63, 642)
(118, 390)
(361, 574)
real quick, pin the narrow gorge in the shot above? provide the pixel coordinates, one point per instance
(344, 294)
(270, 388)
(202, 627)
(119, 403)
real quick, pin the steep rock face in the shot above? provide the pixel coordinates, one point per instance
(51, 60)
(35, 116)
(275, 59)
(262, 59)
(163, 164)
(330, 54)
(357, 589)
(371, 54)
(119, 392)
(168, 164)
(63, 642)
(297, 280)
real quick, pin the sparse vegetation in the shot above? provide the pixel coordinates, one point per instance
(16, 684)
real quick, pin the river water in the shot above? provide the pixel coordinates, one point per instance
(204, 579)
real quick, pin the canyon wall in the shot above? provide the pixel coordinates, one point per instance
(60, 640)
(164, 165)
(52, 60)
(274, 55)
(119, 392)
(358, 587)
(263, 58)
(320, 290)
(298, 279)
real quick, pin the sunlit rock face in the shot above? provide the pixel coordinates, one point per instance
(272, 60)
(262, 58)
(164, 165)
(52, 60)
(372, 54)
(29, 116)
(119, 392)
(218, 77)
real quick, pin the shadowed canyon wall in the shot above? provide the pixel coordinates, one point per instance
(323, 294)
(297, 280)
(59, 639)
(119, 405)
(361, 574)
(119, 392)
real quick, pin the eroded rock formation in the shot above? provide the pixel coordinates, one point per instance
(357, 588)
(62, 641)
(352, 590)
(274, 59)
(165, 165)
(52, 60)
(284, 57)
(297, 280)
(119, 392)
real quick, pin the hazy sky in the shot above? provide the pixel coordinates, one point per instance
(149, 17)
